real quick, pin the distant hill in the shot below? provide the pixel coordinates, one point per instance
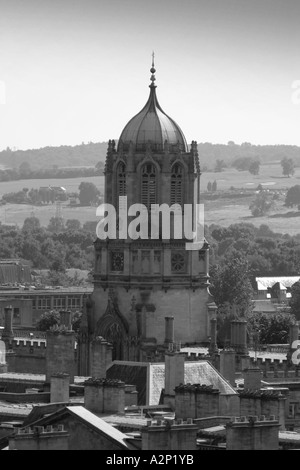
(92, 153)
(48, 157)
(210, 153)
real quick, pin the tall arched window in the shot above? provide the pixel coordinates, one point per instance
(148, 185)
(121, 179)
(177, 184)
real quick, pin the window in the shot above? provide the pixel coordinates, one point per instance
(157, 262)
(146, 262)
(121, 179)
(177, 184)
(292, 407)
(148, 185)
(178, 262)
(74, 302)
(16, 316)
(117, 261)
(43, 303)
(59, 303)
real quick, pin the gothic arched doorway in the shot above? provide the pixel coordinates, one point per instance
(113, 327)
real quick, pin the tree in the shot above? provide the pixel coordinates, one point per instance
(31, 224)
(47, 320)
(271, 328)
(262, 204)
(220, 165)
(254, 167)
(73, 225)
(233, 294)
(56, 224)
(231, 286)
(295, 300)
(209, 185)
(88, 193)
(24, 169)
(214, 186)
(293, 196)
(288, 166)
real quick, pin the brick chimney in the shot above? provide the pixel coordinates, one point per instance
(104, 396)
(169, 331)
(59, 388)
(252, 433)
(252, 378)
(228, 365)
(169, 435)
(213, 347)
(239, 336)
(101, 357)
(196, 401)
(8, 334)
(60, 353)
(174, 375)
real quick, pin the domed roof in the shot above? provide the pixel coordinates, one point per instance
(152, 126)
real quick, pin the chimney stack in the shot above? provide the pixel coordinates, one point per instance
(169, 330)
(8, 334)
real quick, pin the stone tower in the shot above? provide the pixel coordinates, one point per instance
(139, 282)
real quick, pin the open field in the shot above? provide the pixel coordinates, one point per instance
(71, 184)
(229, 211)
(270, 177)
(223, 211)
(17, 213)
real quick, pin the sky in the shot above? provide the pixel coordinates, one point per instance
(74, 71)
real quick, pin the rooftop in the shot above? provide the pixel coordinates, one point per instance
(152, 126)
(263, 283)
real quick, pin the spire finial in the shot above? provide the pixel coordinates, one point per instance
(152, 70)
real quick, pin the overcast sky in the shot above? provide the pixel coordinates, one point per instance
(77, 70)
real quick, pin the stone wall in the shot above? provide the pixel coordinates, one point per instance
(172, 302)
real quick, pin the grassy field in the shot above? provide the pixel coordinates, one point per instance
(71, 184)
(270, 176)
(17, 213)
(222, 211)
(228, 211)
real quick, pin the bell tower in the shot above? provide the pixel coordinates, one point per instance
(138, 282)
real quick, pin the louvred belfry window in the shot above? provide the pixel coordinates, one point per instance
(177, 184)
(121, 176)
(148, 185)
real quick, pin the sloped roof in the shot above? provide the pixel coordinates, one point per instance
(201, 372)
(132, 374)
(204, 373)
(153, 125)
(98, 424)
(14, 272)
(263, 283)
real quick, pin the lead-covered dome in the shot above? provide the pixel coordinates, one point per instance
(152, 126)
